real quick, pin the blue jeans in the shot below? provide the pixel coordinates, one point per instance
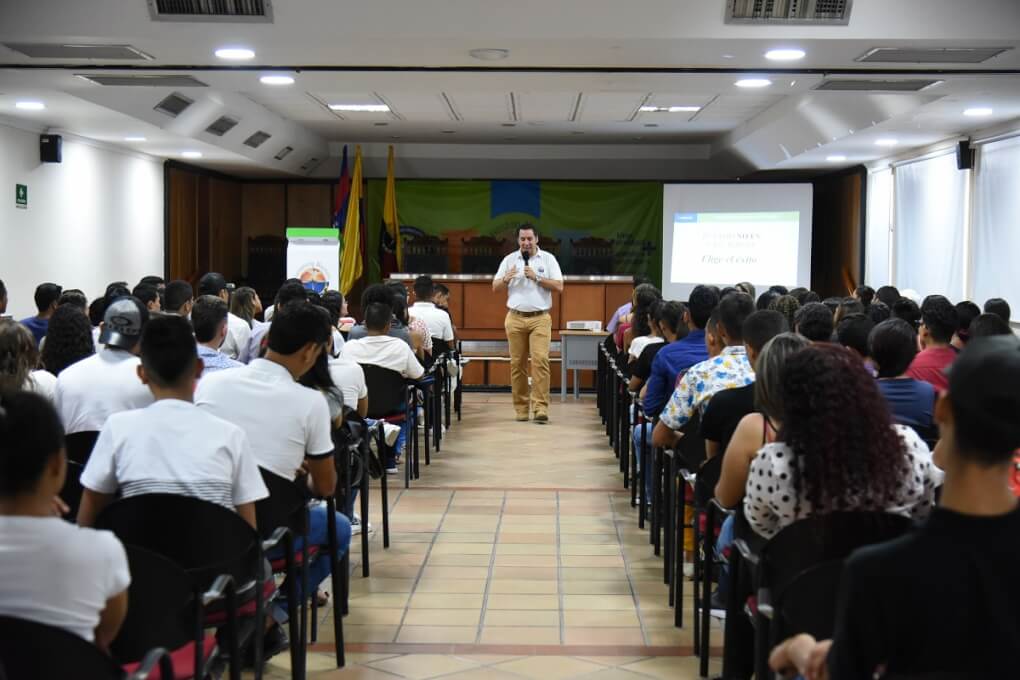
(636, 440)
(319, 566)
(722, 542)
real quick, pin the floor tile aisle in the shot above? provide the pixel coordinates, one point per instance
(516, 555)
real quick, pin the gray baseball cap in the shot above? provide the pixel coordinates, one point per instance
(123, 322)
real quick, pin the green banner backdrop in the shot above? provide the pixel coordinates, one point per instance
(591, 227)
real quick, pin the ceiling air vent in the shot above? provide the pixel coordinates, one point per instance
(931, 55)
(247, 11)
(309, 164)
(869, 85)
(255, 141)
(820, 12)
(174, 105)
(221, 126)
(73, 51)
(116, 80)
(283, 153)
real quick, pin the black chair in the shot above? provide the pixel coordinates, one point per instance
(35, 651)
(389, 400)
(79, 445)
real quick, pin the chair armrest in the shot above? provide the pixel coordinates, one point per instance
(218, 589)
(719, 508)
(745, 552)
(689, 477)
(765, 603)
(274, 538)
(158, 655)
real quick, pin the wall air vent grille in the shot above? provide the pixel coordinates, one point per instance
(221, 126)
(802, 12)
(931, 55)
(74, 51)
(256, 140)
(239, 11)
(119, 80)
(869, 85)
(284, 152)
(174, 105)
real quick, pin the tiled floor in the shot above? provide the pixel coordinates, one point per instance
(516, 555)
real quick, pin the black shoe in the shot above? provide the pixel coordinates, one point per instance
(273, 642)
(717, 601)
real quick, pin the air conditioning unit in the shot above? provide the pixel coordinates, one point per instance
(819, 12)
(594, 326)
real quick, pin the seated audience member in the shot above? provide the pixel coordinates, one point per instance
(19, 362)
(988, 324)
(938, 324)
(421, 338)
(238, 330)
(837, 449)
(246, 305)
(658, 385)
(209, 319)
(148, 295)
(349, 377)
(643, 298)
(726, 409)
(68, 340)
(91, 390)
(152, 280)
(625, 309)
(833, 304)
(799, 293)
(438, 321)
(51, 571)
(73, 298)
(895, 618)
(746, 287)
(893, 346)
(46, 297)
(287, 424)
(966, 312)
(766, 299)
(888, 295)
(852, 332)
(95, 312)
(814, 322)
(333, 302)
(779, 290)
(728, 370)
(865, 295)
(786, 305)
(267, 313)
(996, 306)
(641, 365)
(378, 293)
(441, 298)
(171, 446)
(379, 348)
(292, 291)
(847, 306)
(878, 312)
(179, 297)
(907, 309)
(645, 332)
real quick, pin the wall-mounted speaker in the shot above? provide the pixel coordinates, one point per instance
(49, 148)
(964, 156)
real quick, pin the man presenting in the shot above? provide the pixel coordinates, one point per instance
(529, 275)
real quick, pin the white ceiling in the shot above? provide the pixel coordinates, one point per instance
(584, 68)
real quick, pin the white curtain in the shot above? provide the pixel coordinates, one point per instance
(995, 233)
(930, 200)
(876, 247)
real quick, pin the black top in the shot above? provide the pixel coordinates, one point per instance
(642, 366)
(944, 598)
(723, 414)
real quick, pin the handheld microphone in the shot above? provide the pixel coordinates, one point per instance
(527, 256)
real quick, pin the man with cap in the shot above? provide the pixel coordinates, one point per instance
(943, 598)
(238, 331)
(107, 382)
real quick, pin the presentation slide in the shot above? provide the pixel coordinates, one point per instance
(721, 234)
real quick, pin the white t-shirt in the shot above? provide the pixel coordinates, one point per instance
(338, 343)
(91, 390)
(350, 378)
(42, 383)
(385, 351)
(59, 574)
(523, 294)
(238, 334)
(174, 447)
(436, 319)
(258, 331)
(285, 421)
(637, 345)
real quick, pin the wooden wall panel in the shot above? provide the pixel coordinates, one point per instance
(262, 213)
(456, 303)
(617, 294)
(183, 218)
(226, 242)
(482, 307)
(309, 205)
(583, 302)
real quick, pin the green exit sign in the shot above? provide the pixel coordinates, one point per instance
(21, 195)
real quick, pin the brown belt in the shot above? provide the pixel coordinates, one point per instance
(538, 313)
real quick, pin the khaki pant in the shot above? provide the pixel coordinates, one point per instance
(529, 335)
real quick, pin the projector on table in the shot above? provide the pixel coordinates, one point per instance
(594, 326)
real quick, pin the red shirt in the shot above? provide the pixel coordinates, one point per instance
(930, 365)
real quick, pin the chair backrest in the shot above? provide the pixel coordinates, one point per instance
(387, 390)
(203, 538)
(79, 445)
(72, 490)
(35, 651)
(161, 601)
(440, 347)
(708, 476)
(808, 603)
(692, 445)
(283, 507)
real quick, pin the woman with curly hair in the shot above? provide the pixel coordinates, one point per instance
(786, 305)
(837, 448)
(69, 339)
(19, 362)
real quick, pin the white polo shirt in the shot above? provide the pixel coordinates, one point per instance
(386, 351)
(350, 378)
(42, 383)
(285, 422)
(59, 574)
(91, 390)
(238, 333)
(523, 294)
(436, 319)
(174, 447)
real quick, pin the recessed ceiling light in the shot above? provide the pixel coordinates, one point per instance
(669, 109)
(753, 82)
(276, 80)
(978, 112)
(134, 139)
(30, 106)
(363, 108)
(785, 54)
(835, 159)
(235, 53)
(727, 56)
(886, 142)
(490, 54)
(191, 154)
